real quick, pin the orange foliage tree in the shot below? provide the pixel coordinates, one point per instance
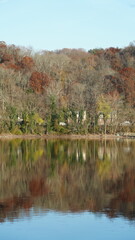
(128, 76)
(27, 63)
(38, 81)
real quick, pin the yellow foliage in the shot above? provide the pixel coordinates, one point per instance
(38, 119)
(103, 106)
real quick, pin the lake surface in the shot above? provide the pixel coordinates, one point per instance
(67, 189)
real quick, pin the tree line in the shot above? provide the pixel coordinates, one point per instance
(67, 91)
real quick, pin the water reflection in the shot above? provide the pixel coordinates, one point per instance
(67, 176)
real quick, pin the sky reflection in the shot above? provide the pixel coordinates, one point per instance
(54, 226)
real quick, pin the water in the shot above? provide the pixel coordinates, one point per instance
(67, 189)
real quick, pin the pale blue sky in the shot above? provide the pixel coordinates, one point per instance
(57, 24)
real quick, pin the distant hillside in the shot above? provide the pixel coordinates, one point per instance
(47, 88)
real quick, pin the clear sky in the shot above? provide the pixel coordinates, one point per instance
(57, 24)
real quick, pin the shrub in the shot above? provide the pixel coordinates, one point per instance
(16, 131)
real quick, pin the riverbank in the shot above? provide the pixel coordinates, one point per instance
(65, 136)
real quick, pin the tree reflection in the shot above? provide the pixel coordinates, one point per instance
(67, 175)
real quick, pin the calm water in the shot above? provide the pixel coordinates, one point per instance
(63, 189)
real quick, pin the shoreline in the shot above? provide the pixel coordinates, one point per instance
(64, 136)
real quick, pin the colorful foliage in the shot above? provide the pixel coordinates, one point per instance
(39, 81)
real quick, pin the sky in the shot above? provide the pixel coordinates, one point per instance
(57, 24)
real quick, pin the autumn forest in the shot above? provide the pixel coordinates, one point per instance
(67, 91)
